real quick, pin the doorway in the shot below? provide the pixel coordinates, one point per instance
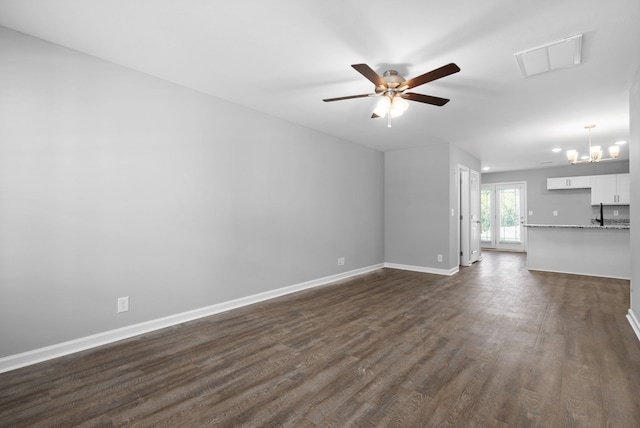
(503, 208)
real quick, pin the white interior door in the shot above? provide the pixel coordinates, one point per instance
(469, 206)
(465, 229)
(474, 216)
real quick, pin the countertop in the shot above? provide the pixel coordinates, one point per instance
(581, 226)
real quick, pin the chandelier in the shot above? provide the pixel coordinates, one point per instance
(595, 154)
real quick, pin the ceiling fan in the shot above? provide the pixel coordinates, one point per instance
(392, 88)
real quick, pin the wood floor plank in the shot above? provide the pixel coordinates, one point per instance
(494, 345)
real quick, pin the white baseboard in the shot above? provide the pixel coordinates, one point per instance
(13, 362)
(635, 325)
(423, 269)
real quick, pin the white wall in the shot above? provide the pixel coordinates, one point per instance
(114, 183)
(634, 170)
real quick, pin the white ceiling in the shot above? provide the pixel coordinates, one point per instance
(284, 56)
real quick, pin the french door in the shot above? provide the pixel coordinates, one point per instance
(503, 208)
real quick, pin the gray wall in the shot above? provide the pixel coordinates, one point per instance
(114, 183)
(416, 204)
(573, 205)
(420, 191)
(634, 166)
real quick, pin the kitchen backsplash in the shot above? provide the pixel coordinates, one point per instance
(613, 221)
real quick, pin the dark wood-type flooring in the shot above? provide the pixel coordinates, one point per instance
(494, 345)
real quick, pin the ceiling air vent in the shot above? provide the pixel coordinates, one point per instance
(553, 56)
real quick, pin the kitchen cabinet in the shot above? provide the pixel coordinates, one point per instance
(610, 189)
(559, 183)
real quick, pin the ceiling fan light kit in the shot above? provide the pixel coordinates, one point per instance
(595, 153)
(398, 106)
(392, 88)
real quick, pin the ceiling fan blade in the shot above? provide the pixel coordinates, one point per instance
(348, 97)
(368, 72)
(427, 99)
(438, 73)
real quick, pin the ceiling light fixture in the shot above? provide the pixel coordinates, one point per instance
(595, 154)
(392, 88)
(391, 104)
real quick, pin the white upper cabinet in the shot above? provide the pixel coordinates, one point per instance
(624, 189)
(610, 189)
(569, 183)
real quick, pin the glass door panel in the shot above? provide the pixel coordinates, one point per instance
(510, 218)
(509, 215)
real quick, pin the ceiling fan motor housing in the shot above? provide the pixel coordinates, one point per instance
(393, 80)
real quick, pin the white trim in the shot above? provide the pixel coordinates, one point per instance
(13, 362)
(423, 269)
(634, 323)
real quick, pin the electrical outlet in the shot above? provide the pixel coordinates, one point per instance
(530, 212)
(341, 261)
(555, 213)
(123, 304)
(440, 257)
(615, 213)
